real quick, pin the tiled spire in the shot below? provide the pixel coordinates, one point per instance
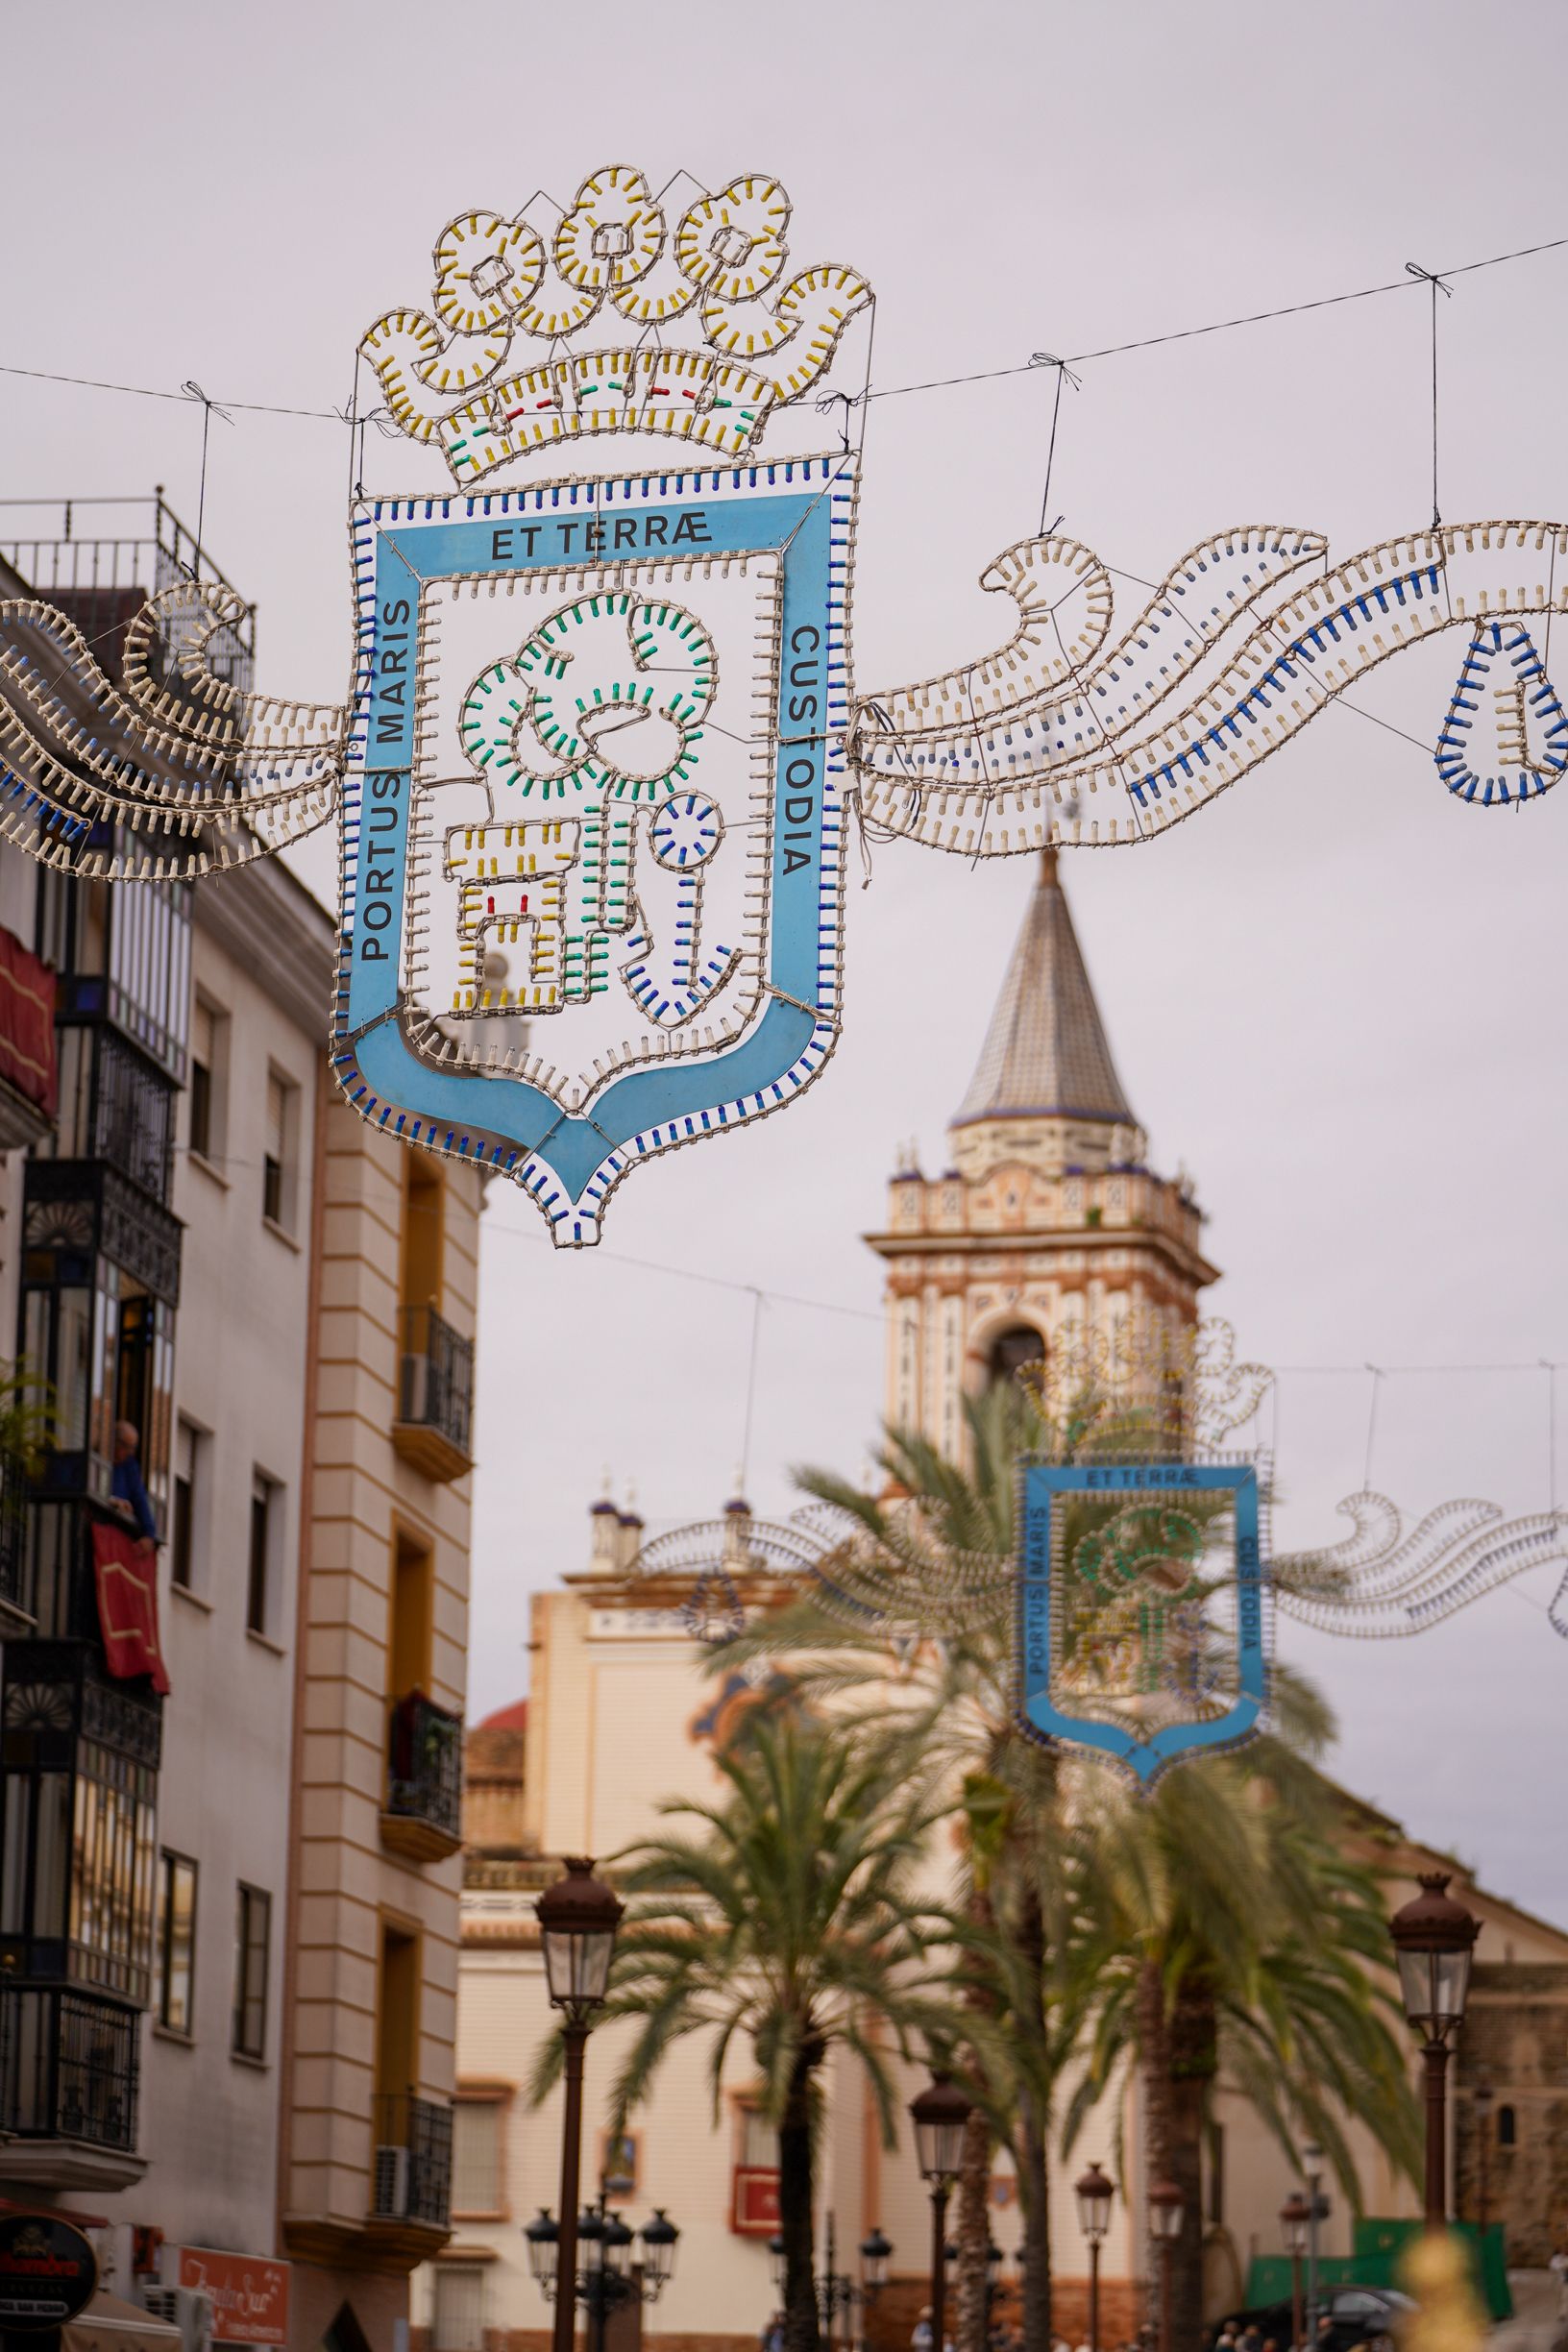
(1045, 1054)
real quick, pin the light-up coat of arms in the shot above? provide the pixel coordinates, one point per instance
(604, 742)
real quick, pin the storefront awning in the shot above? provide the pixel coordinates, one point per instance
(110, 2325)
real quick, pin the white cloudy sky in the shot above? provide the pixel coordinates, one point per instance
(1336, 996)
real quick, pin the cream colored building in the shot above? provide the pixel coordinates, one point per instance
(1049, 1214)
(371, 1961)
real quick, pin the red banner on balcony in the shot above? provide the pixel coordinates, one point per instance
(127, 1579)
(753, 2209)
(27, 1024)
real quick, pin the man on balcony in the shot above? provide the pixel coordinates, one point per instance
(130, 1497)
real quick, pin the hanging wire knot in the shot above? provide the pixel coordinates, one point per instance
(825, 402)
(193, 390)
(1428, 276)
(1050, 359)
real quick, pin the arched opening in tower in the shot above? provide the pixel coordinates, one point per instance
(1010, 1350)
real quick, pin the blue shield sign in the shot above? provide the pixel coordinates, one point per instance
(593, 819)
(1140, 1625)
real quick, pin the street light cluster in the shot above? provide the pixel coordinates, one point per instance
(1433, 1938)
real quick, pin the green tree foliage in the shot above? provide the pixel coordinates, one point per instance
(783, 1918)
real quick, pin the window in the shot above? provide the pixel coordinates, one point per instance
(186, 1519)
(459, 2316)
(253, 1936)
(413, 1610)
(1508, 2128)
(279, 1152)
(176, 1941)
(476, 2157)
(207, 1082)
(759, 2140)
(266, 1527)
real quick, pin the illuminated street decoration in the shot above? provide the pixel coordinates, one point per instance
(1379, 1581)
(1072, 733)
(602, 748)
(1140, 1597)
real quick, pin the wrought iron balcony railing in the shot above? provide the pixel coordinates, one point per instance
(435, 1394)
(411, 2180)
(68, 2065)
(425, 1766)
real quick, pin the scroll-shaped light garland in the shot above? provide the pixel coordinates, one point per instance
(1058, 738)
(1100, 1391)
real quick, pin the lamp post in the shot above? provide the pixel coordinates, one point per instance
(1482, 2096)
(1433, 1938)
(606, 2278)
(940, 2113)
(1166, 2217)
(1094, 2193)
(1311, 2159)
(1295, 2224)
(836, 2291)
(577, 1919)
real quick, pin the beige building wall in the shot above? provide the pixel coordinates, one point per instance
(365, 1886)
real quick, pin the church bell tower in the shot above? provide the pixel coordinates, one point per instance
(1049, 1217)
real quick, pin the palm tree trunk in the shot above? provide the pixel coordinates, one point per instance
(973, 2234)
(1031, 2156)
(1158, 2132)
(794, 2217)
(1035, 2205)
(1191, 2042)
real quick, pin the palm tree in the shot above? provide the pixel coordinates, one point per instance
(1215, 1925)
(786, 1920)
(1224, 1935)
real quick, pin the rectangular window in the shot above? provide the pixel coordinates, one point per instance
(253, 1936)
(176, 1941)
(189, 1506)
(261, 1579)
(476, 2157)
(759, 2140)
(459, 2314)
(279, 1149)
(207, 1084)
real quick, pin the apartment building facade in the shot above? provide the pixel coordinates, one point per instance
(231, 1754)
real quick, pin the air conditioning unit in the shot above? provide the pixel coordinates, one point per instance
(182, 2307)
(391, 2183)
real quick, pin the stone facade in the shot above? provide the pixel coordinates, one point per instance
(1511, 2151)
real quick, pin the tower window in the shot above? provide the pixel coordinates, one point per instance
(1508, 2127)
(1011, 1350)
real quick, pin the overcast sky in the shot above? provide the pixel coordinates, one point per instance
(1336, 995)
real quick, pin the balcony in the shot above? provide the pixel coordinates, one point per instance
(424, 1813)
(69, 2079)
(436, 1396)
(29, 1080)
(410, 2189)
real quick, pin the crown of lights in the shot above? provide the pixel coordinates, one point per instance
(615, 258)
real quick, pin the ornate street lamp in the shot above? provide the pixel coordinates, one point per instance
(940, 2114)
(577, 1919)
(1296, 2226)
(543, 2238)
(1433, 1938)
(659, 2238)
(1311, 2160)
(836, 2291)
(1167, 2214)
(606, 2278)
(1095, 2193)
